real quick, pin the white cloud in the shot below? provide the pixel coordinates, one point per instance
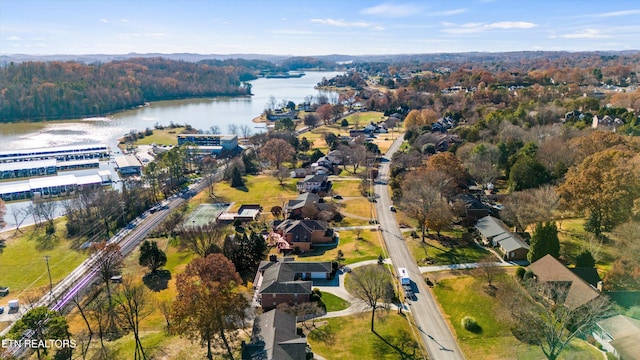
(391, 10)
(470, 28)
(448, 12)
(585, 34)
(14, 38)
(346, 24)
(104, 21)
(124, 20)
(620, 13)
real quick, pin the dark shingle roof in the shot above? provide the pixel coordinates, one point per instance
(274, 338)
(548, 269)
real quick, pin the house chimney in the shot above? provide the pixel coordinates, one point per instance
(273, 258)
(600, 286)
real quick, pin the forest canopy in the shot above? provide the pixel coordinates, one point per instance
(58, 90)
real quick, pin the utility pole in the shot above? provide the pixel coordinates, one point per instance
(46, 259)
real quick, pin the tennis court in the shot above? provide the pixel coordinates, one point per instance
(205, 213)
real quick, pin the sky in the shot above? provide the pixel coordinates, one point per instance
(306, 27)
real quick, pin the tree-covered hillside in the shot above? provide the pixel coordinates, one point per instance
(57, 90)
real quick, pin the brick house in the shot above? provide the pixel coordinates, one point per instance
(303, 234)
(286, 281)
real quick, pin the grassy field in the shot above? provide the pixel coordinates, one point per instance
(347, 187)
(365, 248)
(350, 337)
(260, 189)
(574, 239)
(22, 262)
(464, 296)
(441, 255)
(161, 137)
(333, 302)
(359, 207)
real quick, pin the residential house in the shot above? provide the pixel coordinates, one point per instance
(473, 207)
(282, 280)
(619, 335)
(293, 208)
(495, 233)
(275, 337)
(549, 270)
(314, 183)
(303, 234)
(280, 114)
(300, 172)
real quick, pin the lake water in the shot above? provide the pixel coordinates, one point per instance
(199, 113)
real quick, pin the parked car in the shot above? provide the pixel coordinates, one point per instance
(392, 208)
(337, 197)
(1, 309)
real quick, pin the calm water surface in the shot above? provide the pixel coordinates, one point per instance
(199, 113)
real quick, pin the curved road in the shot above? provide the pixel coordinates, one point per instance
(431, 324)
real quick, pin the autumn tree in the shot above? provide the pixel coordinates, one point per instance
(210, 302)
(325, 112)
(544, 241)
(277, 151)
(624, 275)
(439, 216)
(604, 186)
(422, 191)
(372, 286)
(133, 305)
(203, 240)
(151, 257)
(483, 163)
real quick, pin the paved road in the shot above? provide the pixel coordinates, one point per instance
(431, 324)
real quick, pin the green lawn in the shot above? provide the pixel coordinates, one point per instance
(347, 187)
(574, 239)
(365, 248)
(464, 296)
(441, 255)
(161, 137)
(364, 118)
(22, 262)
(333, 302)
(260, 189)
(350, 337)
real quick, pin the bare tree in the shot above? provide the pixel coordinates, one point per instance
(82, 310)
(109, 261)
(282, 174)
(373, 287)
(203, 240)
(541, 316)
(490, 268)
(19, 216)
(419, 195)
(233, 129)
(165, 308)
(245, 130)
(133, 306)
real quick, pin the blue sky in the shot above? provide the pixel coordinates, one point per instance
(288, 27)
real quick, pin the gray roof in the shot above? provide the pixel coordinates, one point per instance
(620, 326)
(512, 243)
(301, 229)
(274, 337)
(489, 226)
(279, 276)
(302, 200)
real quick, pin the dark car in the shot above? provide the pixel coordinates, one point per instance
(337, 197)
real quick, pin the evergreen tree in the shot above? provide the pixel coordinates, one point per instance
(151, 257)
(544, 241)
(236, 178)
(585, 259)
